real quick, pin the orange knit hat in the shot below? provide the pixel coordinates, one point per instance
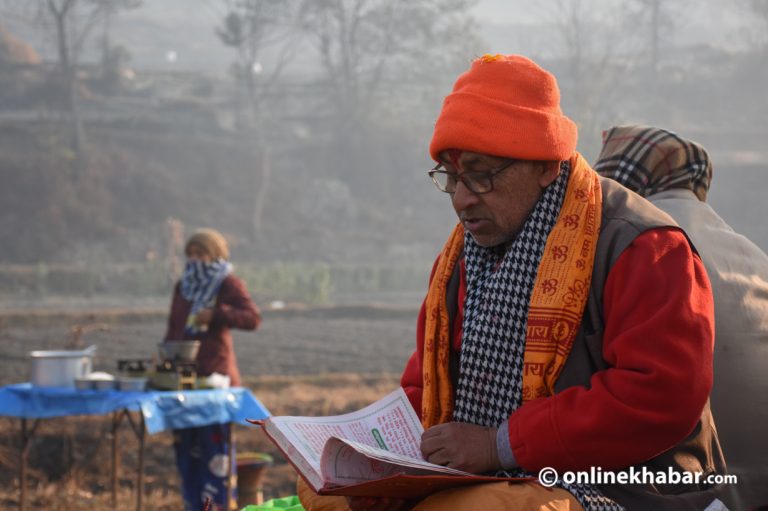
(505, 105)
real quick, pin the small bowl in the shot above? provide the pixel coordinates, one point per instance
(104, 384)
(128, 383)
(84, 383)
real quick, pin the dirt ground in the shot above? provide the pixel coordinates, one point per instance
(362, 342)
(318, 362)
(295, 364)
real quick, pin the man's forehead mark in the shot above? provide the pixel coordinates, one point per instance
(454, 155)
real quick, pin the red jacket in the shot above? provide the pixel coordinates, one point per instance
(233, 309)
(658, 342)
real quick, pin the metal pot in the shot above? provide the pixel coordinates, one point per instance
(179, 351)
(60, 368)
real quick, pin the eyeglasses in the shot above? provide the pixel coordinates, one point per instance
(476, 181)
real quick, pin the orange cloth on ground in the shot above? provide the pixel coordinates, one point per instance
(481, 497)
(501, 497)
(311, 501)
(557, 301)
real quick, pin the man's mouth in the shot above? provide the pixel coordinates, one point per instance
(474, 224)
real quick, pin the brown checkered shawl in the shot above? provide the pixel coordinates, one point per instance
(649, 160)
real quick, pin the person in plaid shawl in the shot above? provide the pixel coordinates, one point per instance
(674, 174)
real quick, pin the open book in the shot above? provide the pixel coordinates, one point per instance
(371, 452)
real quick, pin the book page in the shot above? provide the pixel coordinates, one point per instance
(347, 462)
(311, 474)
(390, 424)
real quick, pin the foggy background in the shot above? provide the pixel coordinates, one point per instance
(300, 129)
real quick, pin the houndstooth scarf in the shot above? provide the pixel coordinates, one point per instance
(499, 290)
(200, 284)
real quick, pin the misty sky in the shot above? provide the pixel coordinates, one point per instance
(159, 29)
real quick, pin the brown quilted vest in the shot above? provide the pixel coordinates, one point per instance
(625, 216)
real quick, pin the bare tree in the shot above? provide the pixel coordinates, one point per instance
(69, 42)
(70, 23)
(595, 52)
(658, 19)
(112, 57)
(654, 12)
(758, 9)
(250, 27)
(366, 47)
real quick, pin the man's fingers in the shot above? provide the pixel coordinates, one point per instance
(436, 444)
(430, 445)
(438, 430)
(435, 436)
(439, 457)
(433, 446)
(461, 446)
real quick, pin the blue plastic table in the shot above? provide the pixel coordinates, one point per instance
(157, 411)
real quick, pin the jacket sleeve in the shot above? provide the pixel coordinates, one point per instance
(234, 308)
(411, 380)
(658, 341)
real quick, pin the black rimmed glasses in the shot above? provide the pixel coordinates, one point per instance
(480, 181)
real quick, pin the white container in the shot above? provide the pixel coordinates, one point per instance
(102, 381)
(104, 384)
(129, 383)
(60, 368)
(84, 383)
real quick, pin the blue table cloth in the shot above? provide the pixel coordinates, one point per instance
(175, 409)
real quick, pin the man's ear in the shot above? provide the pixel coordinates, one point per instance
(548, 172)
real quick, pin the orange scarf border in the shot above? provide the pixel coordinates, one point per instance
(437, 397)
(557, 304)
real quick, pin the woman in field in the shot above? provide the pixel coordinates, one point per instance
(208, 301)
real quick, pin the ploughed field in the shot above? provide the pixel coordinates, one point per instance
(317, 363)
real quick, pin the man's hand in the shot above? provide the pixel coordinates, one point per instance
(377, 504)
(461, 446)
(204, 317)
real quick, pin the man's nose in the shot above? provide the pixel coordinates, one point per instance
(463, 198)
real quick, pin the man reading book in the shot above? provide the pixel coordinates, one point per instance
(568, 323)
